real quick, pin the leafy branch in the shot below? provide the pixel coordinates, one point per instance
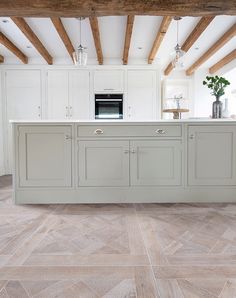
(216, 84)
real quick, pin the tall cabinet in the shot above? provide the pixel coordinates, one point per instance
(23, 101)
(68, 94)
(142, 95)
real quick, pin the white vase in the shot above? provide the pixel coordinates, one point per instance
(226, 112)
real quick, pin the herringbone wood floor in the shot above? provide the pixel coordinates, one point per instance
(146, 250)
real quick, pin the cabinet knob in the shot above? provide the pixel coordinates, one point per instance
(133, 151)
(191, 137)
(160, 131)
(68, 137)
(126, 151)
(98, 131)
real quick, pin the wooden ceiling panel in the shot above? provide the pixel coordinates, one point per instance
(1, 59)
(213, 49)
(68, 8)
(27, 31)
(11, 47)
(192, 38)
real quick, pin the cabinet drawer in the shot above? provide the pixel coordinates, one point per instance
(129, 131)
(108, 81)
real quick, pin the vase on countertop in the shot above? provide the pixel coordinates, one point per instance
(226, 112)
(217, 108)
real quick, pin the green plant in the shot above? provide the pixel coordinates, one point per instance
(216, 84)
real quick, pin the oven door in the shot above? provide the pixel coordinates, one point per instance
(105, 109)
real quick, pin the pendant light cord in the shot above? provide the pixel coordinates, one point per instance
(80, 30)
(177, 31)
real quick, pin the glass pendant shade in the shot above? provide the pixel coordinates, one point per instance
(80, 56)
(177, 58)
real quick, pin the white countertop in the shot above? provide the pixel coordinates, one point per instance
(127, 122)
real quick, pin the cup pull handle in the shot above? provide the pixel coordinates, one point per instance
(98, 131)
(160, 131)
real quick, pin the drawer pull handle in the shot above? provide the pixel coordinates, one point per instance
(98, 131)
(68, 137)
(126, 151)
(160, 131)
(191, 137)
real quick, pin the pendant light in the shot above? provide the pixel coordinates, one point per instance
(177, 57)
(80, 56)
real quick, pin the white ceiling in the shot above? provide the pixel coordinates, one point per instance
(112, 34)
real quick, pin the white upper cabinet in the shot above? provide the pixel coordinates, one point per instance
(212, 155)
(68, 94)
(108, 81)
(23, 94)
(79, 91)
(58, 94)
(142, 95)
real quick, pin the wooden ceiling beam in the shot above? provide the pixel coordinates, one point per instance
(159, 38)
(192, 38)
(224, 61)
(213, 49)
(85, 8)
(96, 36)
(63, 35)
(1, 59)
(31, 36)
(128, 34)
(11, 47)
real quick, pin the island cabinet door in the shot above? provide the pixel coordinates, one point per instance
(45, 156)
(156, 163)
(212, 155)
(103, 163)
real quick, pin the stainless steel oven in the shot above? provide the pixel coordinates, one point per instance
(108, 106)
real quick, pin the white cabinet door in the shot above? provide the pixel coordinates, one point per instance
(107, 81)
(103, 163)
(58, 94)
(79, 94)
(212, 155)
(142, 95)
(156, 163)
(45, 156)
(23, 100)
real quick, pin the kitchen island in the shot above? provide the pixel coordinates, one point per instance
(124, 161)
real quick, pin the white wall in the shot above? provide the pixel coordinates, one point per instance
(203, 99)
(231, 76)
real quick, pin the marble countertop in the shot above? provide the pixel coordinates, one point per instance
(127, 122)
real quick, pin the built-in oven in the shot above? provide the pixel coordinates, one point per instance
(108, 106)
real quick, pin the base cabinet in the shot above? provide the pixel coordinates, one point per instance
(45, 156)
(103, 163)
(155, 163)
(123, 163)
(212, 155)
